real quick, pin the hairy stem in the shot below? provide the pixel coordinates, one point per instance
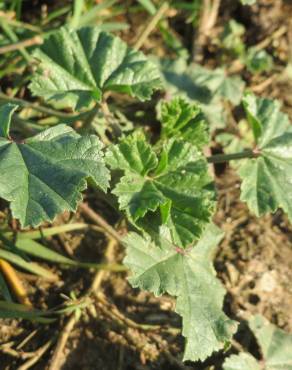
(221, 158)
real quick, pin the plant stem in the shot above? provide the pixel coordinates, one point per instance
(90, 117)
(36, 40)
(39, 108)
(151, 25)
(221, 158)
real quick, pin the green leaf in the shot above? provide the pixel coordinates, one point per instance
(172, 188)
(258, 61)
(243, 361)
(46, 174)
(206, 87)
(231, 37)
(6, 112)
(81, 65)
(190, 277)
(230, 88)
(267, 179)
(182, 120)
(275, 346)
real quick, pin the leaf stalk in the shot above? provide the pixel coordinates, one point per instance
(221, 158)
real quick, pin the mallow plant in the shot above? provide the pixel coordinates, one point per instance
(163, 185)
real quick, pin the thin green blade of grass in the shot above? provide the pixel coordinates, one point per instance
(4, 290)
(36, 249)
(77, 13)
(91, 16)
(28, 266)
(10, 310)
(113, 26)
(148, 5)
(49, 231)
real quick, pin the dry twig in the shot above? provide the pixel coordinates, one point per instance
(142, 37)
(36, 40)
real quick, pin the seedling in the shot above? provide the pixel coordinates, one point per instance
(162, 185)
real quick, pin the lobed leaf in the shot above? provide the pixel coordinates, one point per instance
(267, 179)
(45, 174)
(185, 121)
(171, 189)
(190, 277)
(81, 65)
(275, 346)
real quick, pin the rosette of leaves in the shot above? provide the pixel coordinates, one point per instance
(166, 188)
(275, 346)
(44, 175)
(81, 65)
(267, 178)
(190, 277)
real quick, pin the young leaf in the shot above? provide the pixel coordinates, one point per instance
(201, 85)
(267, 179)
(182, 120)
(189, 276)
(275, 346)
(231, 38)
(258, 61)
(81, 65)
(173, 188)
(45, 175)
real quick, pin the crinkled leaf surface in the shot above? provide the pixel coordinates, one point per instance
(189, 276)
(275, 346)
(185, 121)
(45, 175)
(172, 188)
(81, 65)
(267, 179)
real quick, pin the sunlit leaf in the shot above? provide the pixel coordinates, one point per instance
(81, 65)
(189, 276)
